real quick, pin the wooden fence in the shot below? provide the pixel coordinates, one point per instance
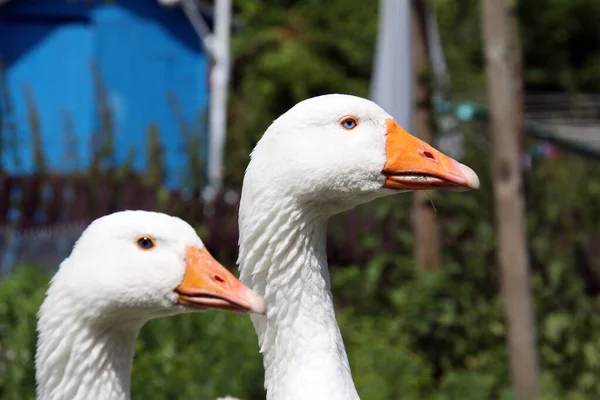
(40, 206)
(49, 205)
(38, 201)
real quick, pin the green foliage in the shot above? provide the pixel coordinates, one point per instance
(561, 43)
(409, 334)
(460, 31)
(201, 356)
(20, 297)
(287, 51)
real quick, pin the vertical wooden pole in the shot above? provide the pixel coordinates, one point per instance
(501, 55)
(425, 225)
(517, 60)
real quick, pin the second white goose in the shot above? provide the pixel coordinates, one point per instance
(324, 156)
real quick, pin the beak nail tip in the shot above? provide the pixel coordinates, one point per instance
(471, 176)
(256, 301)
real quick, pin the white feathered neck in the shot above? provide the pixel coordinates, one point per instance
(77, 359)
(304, 169)
(282, 256)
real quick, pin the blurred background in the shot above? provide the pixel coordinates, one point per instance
(111, 105)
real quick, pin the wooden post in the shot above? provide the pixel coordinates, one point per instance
(425, 225)
(499, 30)
(517, 60)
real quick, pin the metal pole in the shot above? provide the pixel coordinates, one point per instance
(190, 8)
(219, 80)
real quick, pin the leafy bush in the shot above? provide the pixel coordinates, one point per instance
(409, 334)
(20, 297)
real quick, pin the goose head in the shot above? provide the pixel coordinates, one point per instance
(144, 265)
(343, 150)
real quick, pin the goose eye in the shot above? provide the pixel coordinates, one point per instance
(145, 243)
(349, 123)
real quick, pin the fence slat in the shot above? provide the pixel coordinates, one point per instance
(77, 201)
(5, 190)
(30, 201)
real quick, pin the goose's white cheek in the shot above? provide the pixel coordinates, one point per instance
(324, 164)
(366, 157)
(159, 280)
(353, 161)
(144, 280)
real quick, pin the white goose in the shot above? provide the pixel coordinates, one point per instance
(127, 268)
(324, 156)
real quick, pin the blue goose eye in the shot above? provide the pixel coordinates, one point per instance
(145, 243)
(349, 123)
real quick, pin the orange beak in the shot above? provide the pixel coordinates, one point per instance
(412, 164)
(207, 284)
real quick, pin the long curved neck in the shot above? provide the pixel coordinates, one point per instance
(282, 256)
(79, 359)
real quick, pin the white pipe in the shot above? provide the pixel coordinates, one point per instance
(219, 80)
(392, 79)
(190, 8)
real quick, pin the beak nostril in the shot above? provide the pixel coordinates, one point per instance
(429, 155)
(219, 279)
